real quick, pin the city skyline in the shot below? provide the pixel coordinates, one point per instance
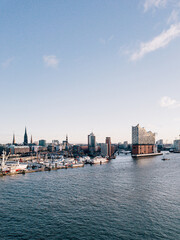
(73, 67)
(28, 138)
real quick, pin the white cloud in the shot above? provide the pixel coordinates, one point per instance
(7, 62)
(168, 102)
(173, 17)
(160, 41)
(148, 4)
(51, 61)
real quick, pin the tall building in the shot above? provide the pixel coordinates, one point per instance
(67, 142)
(25, 137)
(143, 142)
(31, 140)
(176, 145)
(14, 141)
(104, 149)
(91, 143)
(108, 142)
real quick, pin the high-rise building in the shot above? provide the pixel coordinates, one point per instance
(143, 142)
(25, 137)
(176, 145)
(108, 142)
(104, 149)
(31, 140)
(91, 143)
(67, 142)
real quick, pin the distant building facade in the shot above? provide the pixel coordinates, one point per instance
(42, 143)
(18, 149)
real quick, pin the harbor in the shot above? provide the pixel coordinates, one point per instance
(31, 166)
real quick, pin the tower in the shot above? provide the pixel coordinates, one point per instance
(14, 141)
(91, 143)
(66, 142)
(108, 142)
(31, 139)
(25, 137)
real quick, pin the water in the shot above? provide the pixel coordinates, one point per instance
(124, 199)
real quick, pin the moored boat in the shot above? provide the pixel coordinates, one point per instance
(98, 160)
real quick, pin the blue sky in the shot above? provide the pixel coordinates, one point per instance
(77, 66)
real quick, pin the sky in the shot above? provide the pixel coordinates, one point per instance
(73, 67)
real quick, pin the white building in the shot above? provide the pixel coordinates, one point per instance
(141, 136)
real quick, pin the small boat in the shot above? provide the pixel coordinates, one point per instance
(164, 159)
(98, 160)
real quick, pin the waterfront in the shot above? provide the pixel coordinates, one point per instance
(123, 199)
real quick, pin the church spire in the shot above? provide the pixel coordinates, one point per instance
(25, 137)
(14, 141)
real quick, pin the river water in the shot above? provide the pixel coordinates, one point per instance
(123, 199)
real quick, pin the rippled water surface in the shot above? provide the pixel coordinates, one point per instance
(123, 199)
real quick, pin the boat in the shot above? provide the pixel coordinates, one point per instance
(76, 165)
(12, 166)
(165, 158)
(98, 160)
(87, 159)
(16, 166)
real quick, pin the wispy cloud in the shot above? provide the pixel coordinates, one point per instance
(168, 102)
(149, 4)
(51, 61)
(159, 41)
(6, 63)
(105, 41)
(173, 17)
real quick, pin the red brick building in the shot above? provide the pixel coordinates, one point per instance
(143, 149)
